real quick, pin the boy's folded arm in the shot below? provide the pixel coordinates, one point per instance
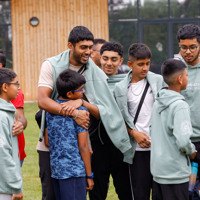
(51, 106)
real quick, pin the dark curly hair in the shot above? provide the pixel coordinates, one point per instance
(112, 46)
(188, 31)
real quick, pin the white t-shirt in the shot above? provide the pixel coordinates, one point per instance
(46, 80)
(46, 74)
(134, 95)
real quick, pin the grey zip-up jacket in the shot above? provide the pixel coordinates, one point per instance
(120, 92)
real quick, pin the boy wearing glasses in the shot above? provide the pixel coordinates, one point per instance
(21, 123)
(69, 151)
(10, 171)
(189, 42)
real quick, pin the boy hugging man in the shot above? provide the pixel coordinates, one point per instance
(10, 171)
(68, 145)
(170, 135)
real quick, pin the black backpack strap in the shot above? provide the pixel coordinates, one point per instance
(141, 102)
(82, 69)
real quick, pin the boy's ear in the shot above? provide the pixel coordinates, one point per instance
(69, 94)
(179, 79)
(70, 45)
(129, 63)
(121, 60)
(4, 87)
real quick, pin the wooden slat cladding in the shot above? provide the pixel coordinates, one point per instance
(31, 45)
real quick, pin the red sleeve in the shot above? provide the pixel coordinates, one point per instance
(19, 101)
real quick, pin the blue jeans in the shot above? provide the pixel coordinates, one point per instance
(70, 189)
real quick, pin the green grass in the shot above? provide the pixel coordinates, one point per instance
(30, 170)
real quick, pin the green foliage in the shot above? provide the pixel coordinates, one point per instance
(125, 21)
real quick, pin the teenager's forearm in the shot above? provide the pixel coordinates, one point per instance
(93, 109)
(46, 103)
(131, 132)
(49, 105)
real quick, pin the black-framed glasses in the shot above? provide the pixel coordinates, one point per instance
(17, 84)
(192, 48)
(81, 90)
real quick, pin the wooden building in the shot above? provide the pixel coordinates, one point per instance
(32, 44)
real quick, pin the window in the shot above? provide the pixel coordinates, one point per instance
(6, 31)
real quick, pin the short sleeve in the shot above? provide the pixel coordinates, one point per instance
(46, 75)
(80, 129)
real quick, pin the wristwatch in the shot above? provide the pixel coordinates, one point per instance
(91, 176)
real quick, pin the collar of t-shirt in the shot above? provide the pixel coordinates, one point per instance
(76, 68)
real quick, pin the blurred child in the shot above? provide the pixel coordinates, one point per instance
(68, 145)
(170, 135)
(10, 171)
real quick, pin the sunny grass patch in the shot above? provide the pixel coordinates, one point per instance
(30, 170)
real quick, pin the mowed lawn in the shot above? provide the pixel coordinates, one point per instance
(30, 170)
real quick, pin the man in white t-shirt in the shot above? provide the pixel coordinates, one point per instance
(128, 94)
(98, 99)
(79, 55)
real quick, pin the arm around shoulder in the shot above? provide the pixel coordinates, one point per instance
(46, 103)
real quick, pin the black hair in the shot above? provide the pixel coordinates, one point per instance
(3, 59)
(188, 31)
(6, 76)
(69, 80)
(138, 51)
(112, 46)
(99, 41)
(80, 33)
(171, 67)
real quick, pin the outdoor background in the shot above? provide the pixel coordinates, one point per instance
(30, 169)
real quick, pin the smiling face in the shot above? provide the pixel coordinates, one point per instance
(80, 53)
(189, 50)
(139, 68)
(110, 61)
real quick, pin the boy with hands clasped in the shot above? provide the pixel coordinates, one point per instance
(68, 145)
(170, 135)
(10, 171)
